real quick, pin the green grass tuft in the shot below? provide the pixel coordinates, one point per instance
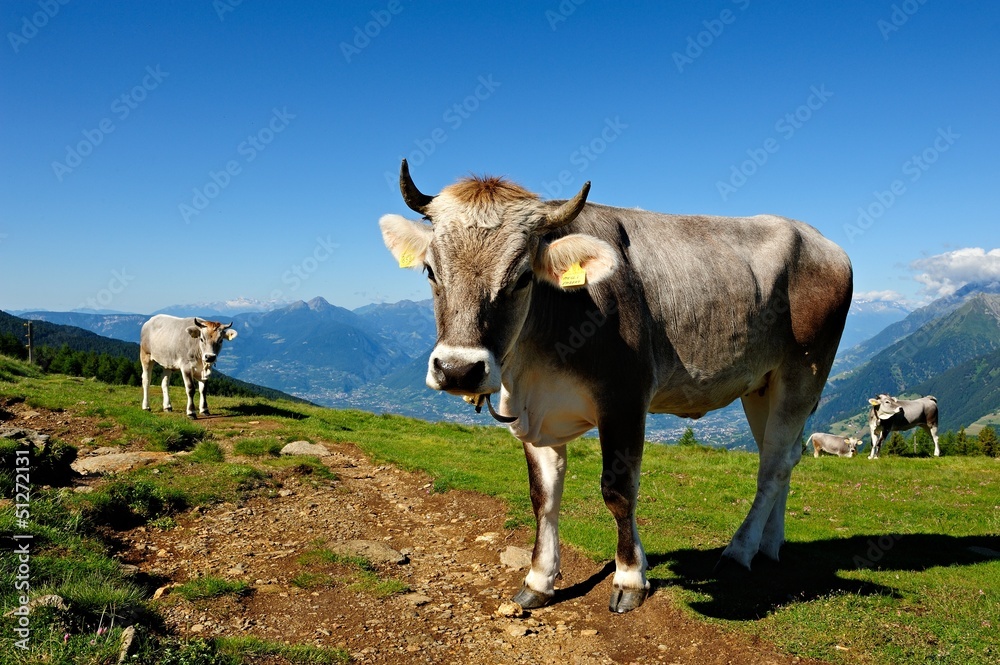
(208, 586)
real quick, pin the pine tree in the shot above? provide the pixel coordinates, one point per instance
(947, 443)
(687, 438)
(961, 442)
(921, 443)
(896, 445)
(988, 443)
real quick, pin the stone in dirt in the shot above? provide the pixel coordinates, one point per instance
(305, 448)
(117, 462)
(417, 599)
(516, 558)
(125, 647)
(510, 609)
(374, 551)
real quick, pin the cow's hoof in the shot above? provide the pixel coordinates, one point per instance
(626, 600)
(168, 408)
(193, 416)
(729, 566)
(530, 599)
(146, 408)
(204, 413)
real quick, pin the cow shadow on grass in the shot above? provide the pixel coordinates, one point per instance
(811, 570)
(260, 409)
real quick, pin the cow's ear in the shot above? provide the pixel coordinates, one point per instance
(406, 239)
(194, 331)
(230, 334)
(873, 401)
(575, 260)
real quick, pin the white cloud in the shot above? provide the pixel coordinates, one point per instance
(889, 295)
(943, 274)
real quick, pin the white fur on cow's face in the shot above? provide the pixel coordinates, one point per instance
(886, 406)
(210, 337)
(482, 254)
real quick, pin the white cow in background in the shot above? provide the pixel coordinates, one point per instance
(190, 345)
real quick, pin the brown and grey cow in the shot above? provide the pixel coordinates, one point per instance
(889, 414)
(833, 444)
(189, 345)
(582, 315)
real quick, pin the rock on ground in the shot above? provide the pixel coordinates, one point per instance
(305, 448)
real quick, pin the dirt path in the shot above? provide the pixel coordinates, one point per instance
(452, 542)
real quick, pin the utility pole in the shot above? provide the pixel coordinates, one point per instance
(31, 343)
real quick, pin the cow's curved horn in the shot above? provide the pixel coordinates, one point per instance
(228, 325)
(198, 322)
(415, 200)
(567, 212)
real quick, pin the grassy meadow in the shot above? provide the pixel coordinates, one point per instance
(887, 561)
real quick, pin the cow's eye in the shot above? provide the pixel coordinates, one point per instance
(430, 273)
(523, 280)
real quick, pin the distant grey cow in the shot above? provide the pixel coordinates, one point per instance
(833, 444)
(889, 414)
(190, 345)
(581, 315)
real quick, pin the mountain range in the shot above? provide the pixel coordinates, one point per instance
(375, 358)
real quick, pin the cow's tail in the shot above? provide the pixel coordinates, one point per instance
(932, 397)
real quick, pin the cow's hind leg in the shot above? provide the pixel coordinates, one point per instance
(202, 402)
(165, 385)
(776, 418)
(622, 439)
(933, 430)
(546, 473)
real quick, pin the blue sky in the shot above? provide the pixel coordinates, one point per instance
(159, 153)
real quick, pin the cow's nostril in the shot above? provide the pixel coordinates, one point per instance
(460, 376)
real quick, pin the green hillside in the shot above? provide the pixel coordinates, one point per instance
(941, 346)
(895, 561)
(971, 390)
(53, 337)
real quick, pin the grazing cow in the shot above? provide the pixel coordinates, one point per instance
(889, 414)
(833, 444)
(189, 345)
(584, 315)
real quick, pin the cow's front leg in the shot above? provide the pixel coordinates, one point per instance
(202, 402)
(546, 474)
(165, 386)
(621, 449)
(146, 363)
(773, 536)
(189, 391)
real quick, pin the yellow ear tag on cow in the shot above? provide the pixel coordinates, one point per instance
(407, 258)
(575, 275)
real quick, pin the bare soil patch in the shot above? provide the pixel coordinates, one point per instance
(452, 542)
